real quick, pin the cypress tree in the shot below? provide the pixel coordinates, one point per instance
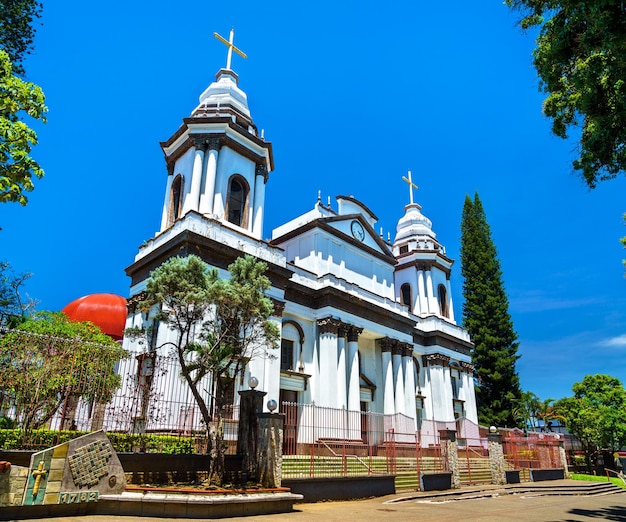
(487, 319)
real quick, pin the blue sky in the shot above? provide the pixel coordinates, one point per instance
(351, 94)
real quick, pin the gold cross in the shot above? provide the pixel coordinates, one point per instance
(412, 185)
(38, 473)
(231, 47)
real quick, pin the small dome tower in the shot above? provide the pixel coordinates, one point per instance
(422, 275)
(217, 164)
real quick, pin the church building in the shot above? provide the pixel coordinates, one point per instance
(366, 324)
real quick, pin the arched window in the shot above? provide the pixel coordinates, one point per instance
(405, 295)
(286, 354)
(237, 201)
(291, 346)
(176, 199)
(442, 296)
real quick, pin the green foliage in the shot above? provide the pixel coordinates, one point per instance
(598, 478)
(14, 307)
(19, 439)
(595, 414)
(232, 316)
(18, 99)
(47, 360)
(486, 317)
(525, 409)
(16, 29)
(581, 62)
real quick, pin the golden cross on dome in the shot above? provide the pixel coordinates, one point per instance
(231, 47)
(412, 186)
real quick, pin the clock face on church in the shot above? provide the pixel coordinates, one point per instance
(357, 230)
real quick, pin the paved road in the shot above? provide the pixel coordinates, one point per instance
(486, 509)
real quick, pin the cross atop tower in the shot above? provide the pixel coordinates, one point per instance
(231, 47)
(412, 186)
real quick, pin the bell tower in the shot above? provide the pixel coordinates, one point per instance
(422, 275)
(217, 163)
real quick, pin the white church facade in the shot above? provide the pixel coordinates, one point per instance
(366, 324)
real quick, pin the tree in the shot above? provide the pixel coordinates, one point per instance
(14, 308)
(595, 414)
(49, 362)
(486, 317)
(581, 62)
(546, 412)
(233, 318)
(525, 409)
(16, 29)
(17, 168)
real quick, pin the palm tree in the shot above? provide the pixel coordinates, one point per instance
(526, 410)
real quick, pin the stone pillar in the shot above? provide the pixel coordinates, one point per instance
(449, 297)
(496, 459)
(409, 381)
(398, 377)
(450, 448)
(388, 400)
(328, 331)
(269, 460)
(342, 374)
(353, 384)
(259, 201)
(250, 405)
(440, 389)
(192, 200)
(467, 375)
(353, 371)
(563, 456)
(433, 305)
(168, 197)
(421, 292)
(208, 194)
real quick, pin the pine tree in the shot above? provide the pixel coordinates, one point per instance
(487, 319)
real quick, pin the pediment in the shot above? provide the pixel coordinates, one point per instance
(355, 229)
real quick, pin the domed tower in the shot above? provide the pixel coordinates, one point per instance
(422, 275)
(217, 163)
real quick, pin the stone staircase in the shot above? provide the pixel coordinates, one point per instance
(565, 487)
(406, 471)
(530, 489)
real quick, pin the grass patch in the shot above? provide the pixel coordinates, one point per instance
(598, 478)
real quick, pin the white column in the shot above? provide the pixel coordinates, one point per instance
(467, 374)
(208, 191)
(259, 201)
(168, 196)
(421, 293)
(450, 304)
(342, 396)
(354, 388)
(398, 378)
(433, 305)
(192, 200)
(440, 387)
(328, 329)
(409, 381)
(388, 400)
(221, 189)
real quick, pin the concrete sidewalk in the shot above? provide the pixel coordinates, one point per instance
(489, 503)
